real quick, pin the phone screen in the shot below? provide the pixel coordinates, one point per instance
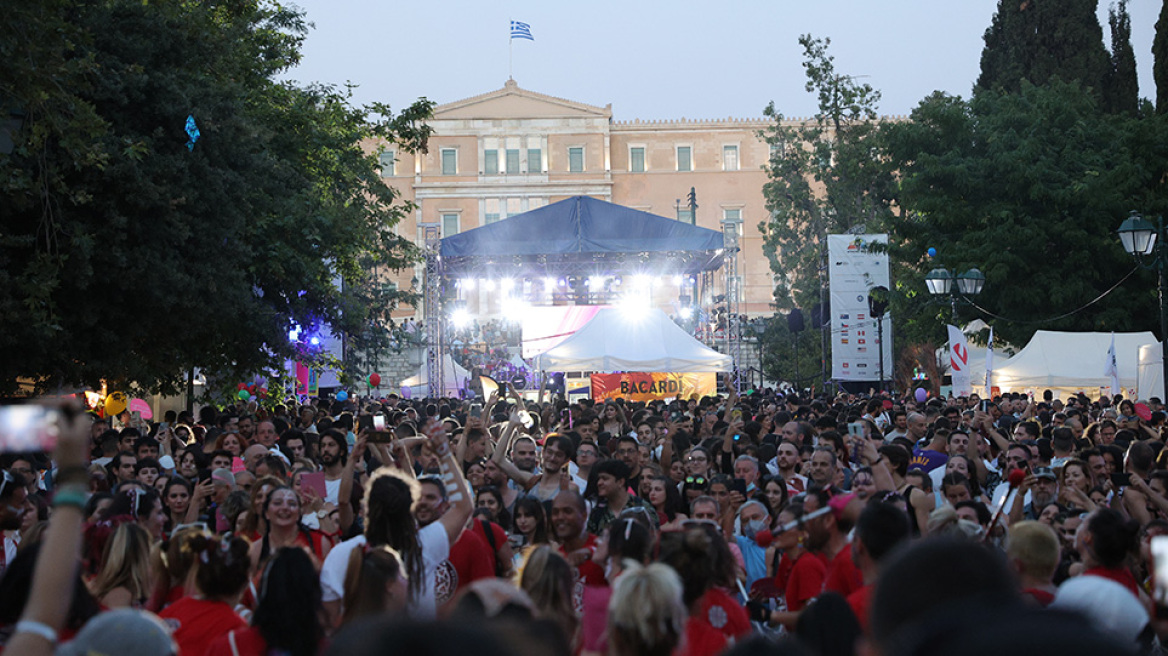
(28, 428)
(476, 410)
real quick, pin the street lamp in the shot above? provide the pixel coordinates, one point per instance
(940, 283)
(1141, 238)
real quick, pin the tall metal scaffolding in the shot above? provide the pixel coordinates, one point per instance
(733, 314)
(432, 307)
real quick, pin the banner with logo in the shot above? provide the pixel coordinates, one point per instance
(855, 268)
(959, 362)
(639, 386)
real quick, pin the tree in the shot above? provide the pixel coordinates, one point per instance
(1030, 188)
(1122, 86)
(1160, 60)
(128, 256)
(822, 177)
(1038, 40)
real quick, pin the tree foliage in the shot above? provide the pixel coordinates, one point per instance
(1029, 187)
(822, 176)
(1122, 85)
(1037, 40)
(127, 256)
(1160, 60)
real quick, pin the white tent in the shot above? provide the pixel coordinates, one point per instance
(619, 340)
(1151, 379)
(454, 378)
(1068, 363)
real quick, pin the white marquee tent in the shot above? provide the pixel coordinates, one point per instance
(1068, 363)
(618, 340)
(454, 378)
(1151, 371)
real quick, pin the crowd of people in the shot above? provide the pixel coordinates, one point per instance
(740, 525)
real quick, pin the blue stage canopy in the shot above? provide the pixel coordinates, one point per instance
(579, 233)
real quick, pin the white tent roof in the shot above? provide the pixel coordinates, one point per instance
(453, 378)
(1071, 362)
(616, 340)
(1151, 371)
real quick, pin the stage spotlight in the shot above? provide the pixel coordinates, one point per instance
(686, 312)
(618, 280)
(549, 282)
(506, 284)
(468, 284)
(461, 318)
(294, 334)
(489, 285)
(315, 341)
(677, 280)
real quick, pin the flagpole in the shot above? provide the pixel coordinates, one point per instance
(510, 54)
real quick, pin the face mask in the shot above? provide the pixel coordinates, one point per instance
(751, 528)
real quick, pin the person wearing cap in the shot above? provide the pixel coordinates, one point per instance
(1043, 488)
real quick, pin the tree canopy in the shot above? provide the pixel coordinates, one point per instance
(132, 253)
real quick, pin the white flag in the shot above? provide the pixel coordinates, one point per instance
(989, 382)
(959, 361)
(1112, 367)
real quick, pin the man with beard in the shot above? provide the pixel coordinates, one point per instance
(827, 537)
(494, 475)
(1043, 487)
(470, 556)
(334, 453)
(785, 464)
(247, 427)
(568, 515)
(523, 454)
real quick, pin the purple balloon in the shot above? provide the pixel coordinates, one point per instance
(406, 392)
(920, 395)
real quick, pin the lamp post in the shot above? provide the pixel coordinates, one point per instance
(940, 283)
(1142, 239)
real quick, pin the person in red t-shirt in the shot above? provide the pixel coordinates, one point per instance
(220, 575)
(568, 516)
(880, 529)
(827, 537)
(1104, 541)
(800, 574)
(287, 619)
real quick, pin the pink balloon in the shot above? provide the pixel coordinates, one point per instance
(920, 395)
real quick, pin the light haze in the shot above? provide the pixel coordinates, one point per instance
(660, 60)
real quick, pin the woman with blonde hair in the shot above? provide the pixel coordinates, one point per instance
(547, 578)
(125, 579)
(646, 615)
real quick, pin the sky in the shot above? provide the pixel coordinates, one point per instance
(653, 59)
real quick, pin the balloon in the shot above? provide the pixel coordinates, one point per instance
(342, 395)
(242, 386)
(932, 252)
(115, 404)
(921, 394)
(244, 395)
(406, 392)
(374, 380)
(142, 407)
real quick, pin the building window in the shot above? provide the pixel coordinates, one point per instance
(514, 206)
(449, 224)
(491, 213)
(449, 161)
(534, 160)
(490, 162)
(386, 160)
(778, 150)
(684, 158)
(637, 159)
(512, 160)
(685, 216)
(729, 158)
(576, 159)
(732, 215)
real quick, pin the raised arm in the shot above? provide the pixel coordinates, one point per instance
(345, 512)
(56, 566)
(461, 505)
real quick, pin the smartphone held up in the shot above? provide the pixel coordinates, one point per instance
(28, 428)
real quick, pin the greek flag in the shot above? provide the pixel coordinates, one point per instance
(521, 31)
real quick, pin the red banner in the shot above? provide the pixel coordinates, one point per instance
(639, 386)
